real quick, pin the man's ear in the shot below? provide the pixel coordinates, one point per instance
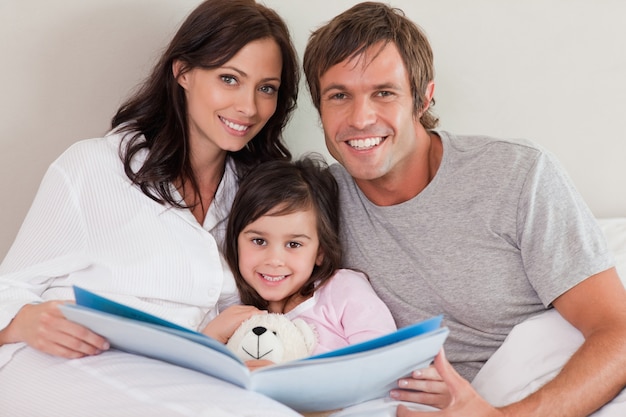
(430, 92)
(178, 70)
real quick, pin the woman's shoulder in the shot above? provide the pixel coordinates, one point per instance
(90, 154)
(104, 144)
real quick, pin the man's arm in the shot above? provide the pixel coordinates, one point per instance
(594, 375)
(597, 371)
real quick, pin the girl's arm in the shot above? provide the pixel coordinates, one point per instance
(223, 326)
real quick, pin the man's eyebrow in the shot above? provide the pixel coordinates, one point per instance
(339, 87)
(377, 87)
(386, 86)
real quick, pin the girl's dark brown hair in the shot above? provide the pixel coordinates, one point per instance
(366, 25)
(210, 36)
(289, 187)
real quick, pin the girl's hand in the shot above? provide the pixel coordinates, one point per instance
(424, 387)
(258, 363)
(224, 325)
(45, 328)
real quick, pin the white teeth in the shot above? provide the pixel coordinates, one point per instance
(273, 279)
(235, 126)
(362, 144)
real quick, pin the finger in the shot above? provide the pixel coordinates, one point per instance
(456, 384)
(434, 400)
(427, 373)
(425, 385)
(68, 338)
(254, 364)
(60, 344)
(403, 411)
(81, 340)
(87, 340)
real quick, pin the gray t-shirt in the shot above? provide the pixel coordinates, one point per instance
(497, 235)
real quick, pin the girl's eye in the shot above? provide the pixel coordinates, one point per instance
(293, 245)
(258, 241)
(228, 79)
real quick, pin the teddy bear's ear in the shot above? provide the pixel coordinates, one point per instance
(308, 332)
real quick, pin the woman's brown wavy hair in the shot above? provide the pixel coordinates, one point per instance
(210, 36)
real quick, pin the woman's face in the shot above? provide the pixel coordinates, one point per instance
(229, 105)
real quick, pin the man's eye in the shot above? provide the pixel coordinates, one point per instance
(338, 96)
(385, 93)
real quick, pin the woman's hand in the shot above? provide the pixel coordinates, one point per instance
(45, 328)
(425, 387)
(224, 325)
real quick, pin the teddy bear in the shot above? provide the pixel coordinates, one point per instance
(272, 337)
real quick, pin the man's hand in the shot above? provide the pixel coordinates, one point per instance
(45, 328)
(463, 399)
(424, 387)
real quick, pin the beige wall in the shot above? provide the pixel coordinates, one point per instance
(553, 71)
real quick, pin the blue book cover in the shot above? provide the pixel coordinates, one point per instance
(337, 379)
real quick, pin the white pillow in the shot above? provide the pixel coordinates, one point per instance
(536, 350)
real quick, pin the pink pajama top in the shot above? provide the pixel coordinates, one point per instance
(344, 311)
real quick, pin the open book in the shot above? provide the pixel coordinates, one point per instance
(332, 380)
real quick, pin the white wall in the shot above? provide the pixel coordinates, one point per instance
(549, 70)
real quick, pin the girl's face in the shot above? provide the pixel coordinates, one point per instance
(229, 105)
(277, 255)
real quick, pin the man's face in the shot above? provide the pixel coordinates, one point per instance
(366, 107)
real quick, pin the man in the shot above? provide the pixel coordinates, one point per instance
(487, 231)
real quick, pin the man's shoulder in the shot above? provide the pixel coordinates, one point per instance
(339, 172)
(342, 176)
(463, 143)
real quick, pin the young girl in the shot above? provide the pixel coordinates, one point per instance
(283, 246)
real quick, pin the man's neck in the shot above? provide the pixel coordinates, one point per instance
(409, 178)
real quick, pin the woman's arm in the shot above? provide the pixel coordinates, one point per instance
(43, 327)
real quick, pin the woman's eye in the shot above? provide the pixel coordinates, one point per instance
(293, 245)
(268, 89)
(228, 79)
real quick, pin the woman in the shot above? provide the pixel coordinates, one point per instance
(139, 216)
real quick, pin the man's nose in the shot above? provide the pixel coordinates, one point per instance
(363, 113)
